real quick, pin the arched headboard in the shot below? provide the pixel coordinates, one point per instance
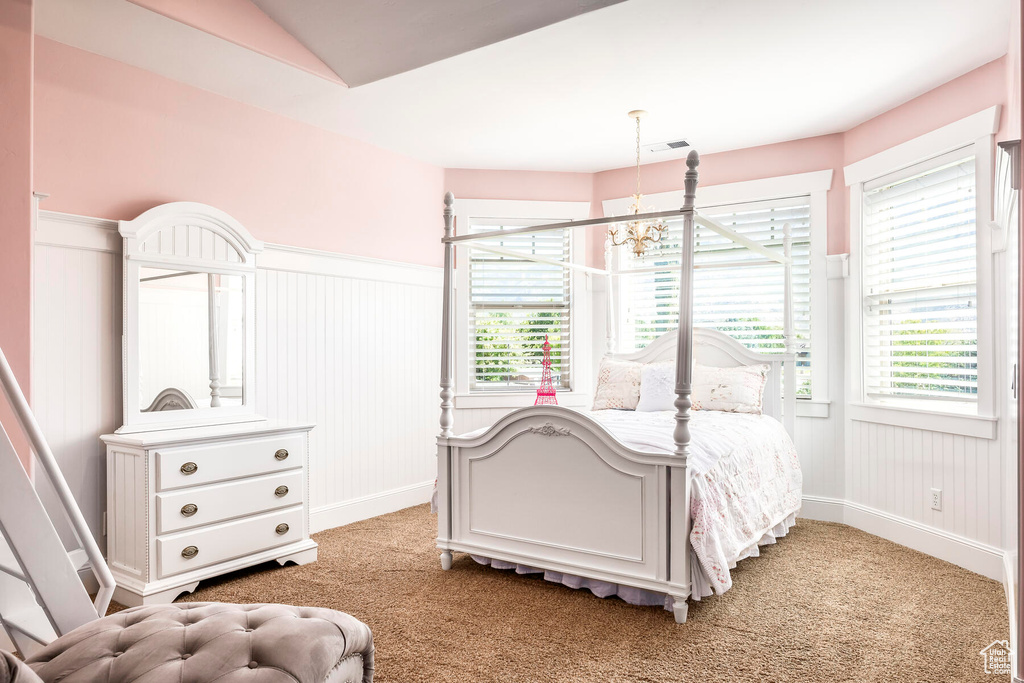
(716, 349)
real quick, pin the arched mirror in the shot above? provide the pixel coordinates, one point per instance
(189, 310)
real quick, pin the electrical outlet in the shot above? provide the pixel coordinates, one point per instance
(937, 499)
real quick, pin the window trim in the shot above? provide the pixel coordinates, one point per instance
(977, 131)
(816, 184)
(513, 209)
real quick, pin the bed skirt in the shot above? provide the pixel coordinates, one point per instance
(700, 586)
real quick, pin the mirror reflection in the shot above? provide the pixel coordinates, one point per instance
(191, 339)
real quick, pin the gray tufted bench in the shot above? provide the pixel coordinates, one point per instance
(205, 642)
(13, 670)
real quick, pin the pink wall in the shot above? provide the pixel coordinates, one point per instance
(976, 90)
(243, 23)
(798, 156)
(16, 38)
(983, 87)
(752, 163)
(530, 185)
(113, 140)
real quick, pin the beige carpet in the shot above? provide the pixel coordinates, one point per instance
(827, 603)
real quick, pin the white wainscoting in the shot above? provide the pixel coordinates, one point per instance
(76, 363)
(357, 356)
(345, 342)
(351, 343)
(882, 474)
(819, 440)
(894, 469)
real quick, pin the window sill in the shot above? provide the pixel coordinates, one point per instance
(977, 426)
(518, 399)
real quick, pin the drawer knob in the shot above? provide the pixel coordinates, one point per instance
(189, 510)
(281, 491)
(282, 528)
(189, 552)
(189, 468)
(281, 454)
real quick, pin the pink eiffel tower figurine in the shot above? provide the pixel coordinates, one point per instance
(546, 390)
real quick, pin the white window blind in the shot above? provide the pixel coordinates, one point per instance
(920, 282)
(744, 301)
(514, 303)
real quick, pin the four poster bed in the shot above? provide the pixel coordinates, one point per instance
(635, 504)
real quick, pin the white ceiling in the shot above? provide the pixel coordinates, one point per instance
(725, 75)
(367, 40)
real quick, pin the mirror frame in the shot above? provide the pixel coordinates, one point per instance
(195, 237)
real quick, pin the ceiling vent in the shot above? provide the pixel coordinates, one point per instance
(667, 146)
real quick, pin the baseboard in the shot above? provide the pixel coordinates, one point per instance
(964, 552)
(823, 509)
(340, 514)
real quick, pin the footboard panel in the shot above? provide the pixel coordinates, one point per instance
(557, 491)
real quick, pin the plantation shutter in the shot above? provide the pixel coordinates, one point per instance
(743, 300)
(514, 303)
(920, 282)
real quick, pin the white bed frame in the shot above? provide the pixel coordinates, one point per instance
(596, 508)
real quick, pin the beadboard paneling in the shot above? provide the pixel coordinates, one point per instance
(820, 440)
(348, 355)
(76, 370)
(894, 469)
(820, 457)
(344, 342)
(351, 345)
(471, 419)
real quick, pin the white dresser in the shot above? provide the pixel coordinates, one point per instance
(198, 484)
(187, 504)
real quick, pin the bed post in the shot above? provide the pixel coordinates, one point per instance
(612, 322)
(447, 392)
(684, 340)
(788, 335)
(679, 479)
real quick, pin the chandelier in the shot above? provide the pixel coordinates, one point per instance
(637, 234)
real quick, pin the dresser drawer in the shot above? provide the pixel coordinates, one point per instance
(196, 549)
(178, 467)
(201, 505)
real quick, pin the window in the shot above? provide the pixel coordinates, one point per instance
(744, 301)
(919, 281)
(514, 303)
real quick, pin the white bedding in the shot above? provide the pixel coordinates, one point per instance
(746, 491)
(746, 480)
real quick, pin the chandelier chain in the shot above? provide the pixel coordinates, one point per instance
(638, 155)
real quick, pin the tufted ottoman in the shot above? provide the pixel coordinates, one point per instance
(206, 641)
(13, 670)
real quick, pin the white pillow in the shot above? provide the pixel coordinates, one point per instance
(731, 390)
(657, 387)
(618, 385)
